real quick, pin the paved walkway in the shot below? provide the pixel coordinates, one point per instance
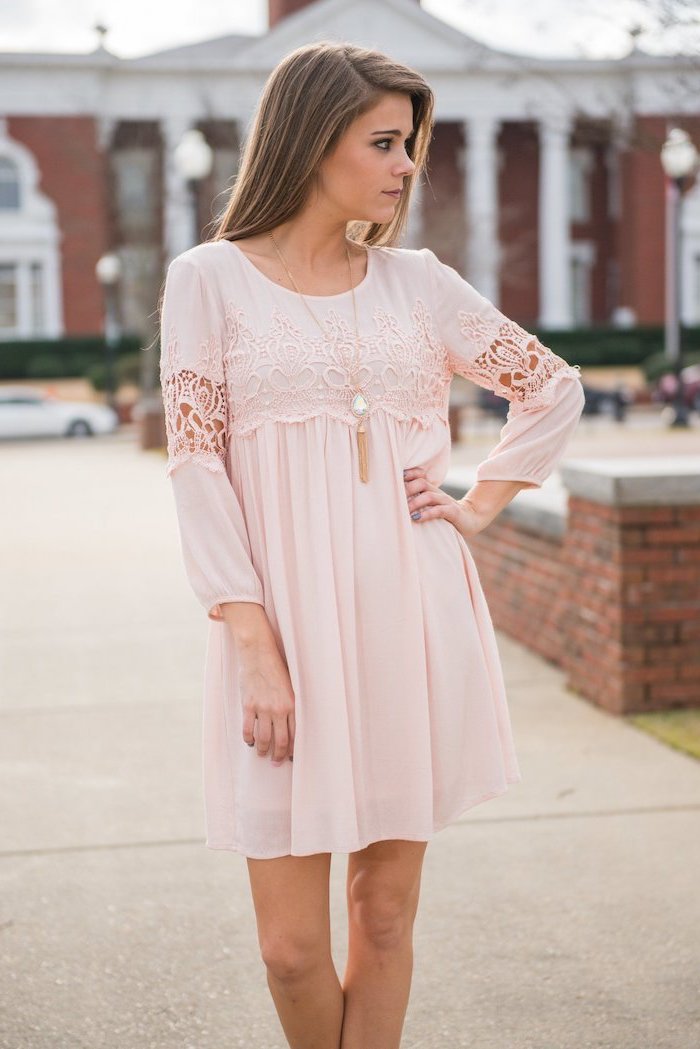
(563, 915)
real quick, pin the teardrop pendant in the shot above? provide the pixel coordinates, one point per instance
(360, 406)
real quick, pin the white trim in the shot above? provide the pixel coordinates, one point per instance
(31, 234)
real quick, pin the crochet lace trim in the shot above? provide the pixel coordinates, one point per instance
(285, 375)
(510, 361)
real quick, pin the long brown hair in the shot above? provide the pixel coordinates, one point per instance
(309, 100)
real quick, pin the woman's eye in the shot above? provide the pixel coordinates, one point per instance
(384, 141)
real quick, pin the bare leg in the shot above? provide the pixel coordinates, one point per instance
(383, 887)
(291, 899)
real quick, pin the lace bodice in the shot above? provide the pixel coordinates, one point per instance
(225, 372)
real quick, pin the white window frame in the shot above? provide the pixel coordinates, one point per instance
(30, 235)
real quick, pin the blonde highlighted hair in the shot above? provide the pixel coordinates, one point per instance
(308, 102)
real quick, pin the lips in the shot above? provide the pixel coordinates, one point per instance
(392, 192)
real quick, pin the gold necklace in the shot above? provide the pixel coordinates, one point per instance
(360, 405)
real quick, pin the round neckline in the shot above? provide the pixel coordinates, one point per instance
(296, 294)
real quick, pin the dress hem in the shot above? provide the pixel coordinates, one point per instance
(462, 808)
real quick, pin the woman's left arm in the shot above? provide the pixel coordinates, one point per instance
(544, 392)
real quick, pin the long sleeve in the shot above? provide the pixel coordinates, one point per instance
(544, 392)
(213, 533)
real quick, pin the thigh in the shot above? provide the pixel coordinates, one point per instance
(389, 870)
(291, 898)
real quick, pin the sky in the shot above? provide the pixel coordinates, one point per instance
(546, 28)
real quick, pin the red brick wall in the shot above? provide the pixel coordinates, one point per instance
(616, 604)
(72, 175)
(279, 9)
(525, 583)
(518, 194)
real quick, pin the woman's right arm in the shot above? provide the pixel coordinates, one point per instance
(213, 532)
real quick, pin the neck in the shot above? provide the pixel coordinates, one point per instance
(311, 245)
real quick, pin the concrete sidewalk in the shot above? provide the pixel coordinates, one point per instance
(563, 915)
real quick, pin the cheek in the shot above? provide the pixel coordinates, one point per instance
(363, 174)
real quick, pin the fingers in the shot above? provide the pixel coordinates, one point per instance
(425, 500)
(420, 493)
(274, 737)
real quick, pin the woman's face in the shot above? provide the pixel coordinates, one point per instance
(369, 161)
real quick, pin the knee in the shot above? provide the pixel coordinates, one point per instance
(382, 916)
(290, 957)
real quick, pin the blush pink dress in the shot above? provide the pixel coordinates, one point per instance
(401, 714)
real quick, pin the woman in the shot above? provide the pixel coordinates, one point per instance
(354, 700)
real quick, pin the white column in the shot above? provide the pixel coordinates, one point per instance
(178, 221)
(482, 205)
(554, 263)
(414, 226)
(105, 128)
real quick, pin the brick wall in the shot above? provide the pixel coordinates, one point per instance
(614, 599)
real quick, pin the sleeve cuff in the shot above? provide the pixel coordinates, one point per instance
(214, 611)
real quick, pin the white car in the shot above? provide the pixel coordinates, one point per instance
(28, 412)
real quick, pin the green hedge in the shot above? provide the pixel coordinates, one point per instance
(80, 357)
(613, 346)
(59, 358)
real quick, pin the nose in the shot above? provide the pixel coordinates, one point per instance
(408, 166)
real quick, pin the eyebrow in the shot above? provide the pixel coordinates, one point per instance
(393, 131)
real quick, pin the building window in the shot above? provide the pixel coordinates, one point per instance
(581, 265)
(580, 168)
(8, 296)
(135, 180)
(30, 265)
(9, 185)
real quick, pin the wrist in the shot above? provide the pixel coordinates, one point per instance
(248, 623)
(486, 499)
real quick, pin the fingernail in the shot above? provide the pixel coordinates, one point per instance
(251, 744)
(291, 757)
(276, 762)
(415, 515)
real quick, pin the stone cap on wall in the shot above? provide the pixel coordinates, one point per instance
(635, 481)
(629, 481)
(542, 510)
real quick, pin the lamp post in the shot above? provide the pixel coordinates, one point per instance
(679, 159)
(193, 158)
(108, 270)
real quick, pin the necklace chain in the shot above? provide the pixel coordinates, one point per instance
(360, 404)
(355, 374)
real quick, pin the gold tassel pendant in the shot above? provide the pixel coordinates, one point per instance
(363, 452)
(360, 407)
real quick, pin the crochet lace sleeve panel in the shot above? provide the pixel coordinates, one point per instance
(510, 361)
(490, 349)
(191, 372)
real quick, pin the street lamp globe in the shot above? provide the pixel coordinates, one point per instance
(193, 155)
(108, 268)
(679, 157)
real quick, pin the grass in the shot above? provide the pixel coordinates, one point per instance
(679, 728)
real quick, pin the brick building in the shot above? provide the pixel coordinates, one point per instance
(545, 187)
